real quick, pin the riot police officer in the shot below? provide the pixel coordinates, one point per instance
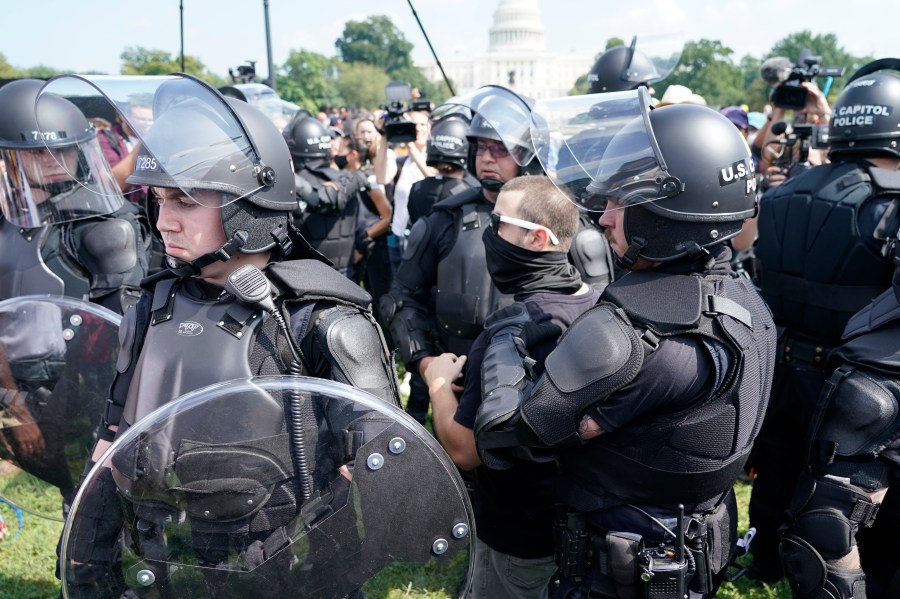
(649, 406)
(230, 304)
(447, 150)
(65, 228)
(442, 291)
(819, 250)
(844, 518)
(621, 68)
(329, 202)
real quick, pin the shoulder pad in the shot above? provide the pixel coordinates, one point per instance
(418, 235)
(312, 279)
(109, 245)
(884, 309)
(600, 344)
(667, 301)
(885, 180)
(464, 197)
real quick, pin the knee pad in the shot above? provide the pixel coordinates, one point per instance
(809, 576)
(828, 513)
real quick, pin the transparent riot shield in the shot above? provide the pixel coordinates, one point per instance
(271, 487)
(653, 57)
(57, 362)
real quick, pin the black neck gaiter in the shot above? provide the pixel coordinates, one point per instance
(520, 272)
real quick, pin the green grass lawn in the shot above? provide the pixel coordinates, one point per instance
(27, 563)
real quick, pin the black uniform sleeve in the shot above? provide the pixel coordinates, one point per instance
(410, 295)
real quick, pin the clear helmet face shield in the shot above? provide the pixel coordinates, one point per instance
(53, 175)
(189, 137)
(217, 502)
(57, 362)
(600, 147)
(500, 114)
(653, 57)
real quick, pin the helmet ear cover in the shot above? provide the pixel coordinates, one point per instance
(666, 239)
(265, 229)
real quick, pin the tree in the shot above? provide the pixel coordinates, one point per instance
(375, 41)
(612, 43)
(706, 69)
(756, 94)
(137, 60)
(362, 85)
(309, 79)
(7, 71)
(42, 71)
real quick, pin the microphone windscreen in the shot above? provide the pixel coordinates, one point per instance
(775, 70)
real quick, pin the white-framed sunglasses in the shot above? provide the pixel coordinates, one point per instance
(496, 219)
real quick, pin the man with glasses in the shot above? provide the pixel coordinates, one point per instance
(532, 227)
(442, 292)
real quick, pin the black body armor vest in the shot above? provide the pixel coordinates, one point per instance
(429, 191)
(816, 270)
(332, 233)
(694, 455)
(183, 328)
(465, 293)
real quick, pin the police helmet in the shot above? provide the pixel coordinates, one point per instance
(46, 153)
(619, 69)
(307, 138)
(865, 119)
(258, 193)
(502, 115)
(686, 181)
(448, 143)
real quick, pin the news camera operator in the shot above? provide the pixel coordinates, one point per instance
(821, 235)
(402, 125)
(794, 89)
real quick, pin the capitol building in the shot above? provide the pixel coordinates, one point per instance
(517, 57)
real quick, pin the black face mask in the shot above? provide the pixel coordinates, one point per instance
(340, 162)
(518, 271)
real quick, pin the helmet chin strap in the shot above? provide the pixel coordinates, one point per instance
(631, 255)
(491, 184)
(58, 188)
(183, 268)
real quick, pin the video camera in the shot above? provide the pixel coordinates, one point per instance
(805, 137)
(246, 73)
(396, 128)
(791, 94)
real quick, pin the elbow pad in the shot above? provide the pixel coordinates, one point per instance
(355, 348)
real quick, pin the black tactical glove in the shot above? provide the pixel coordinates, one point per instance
(506, 378)
(363, 244)
(515, 321)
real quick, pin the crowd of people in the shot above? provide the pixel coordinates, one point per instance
(609, 307)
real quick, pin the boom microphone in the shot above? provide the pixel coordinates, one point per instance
(775, 70)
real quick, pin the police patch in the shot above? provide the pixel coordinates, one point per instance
(739, 171)
(736, 172)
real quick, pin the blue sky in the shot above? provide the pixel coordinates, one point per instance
(91, 34)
